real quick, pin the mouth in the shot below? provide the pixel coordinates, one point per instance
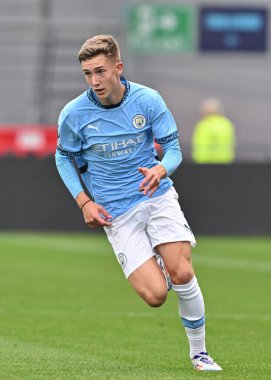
(99, 91)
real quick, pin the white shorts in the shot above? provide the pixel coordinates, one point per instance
(135, 234)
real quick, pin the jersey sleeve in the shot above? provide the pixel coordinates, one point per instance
(68, 173)
(68, 147)
(164, 128)
(166, 134)
(68, 144)
(172, 156)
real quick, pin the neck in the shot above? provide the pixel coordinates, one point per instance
(115, 98)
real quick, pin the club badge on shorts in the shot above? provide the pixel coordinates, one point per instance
(139, 121)
(122, 260)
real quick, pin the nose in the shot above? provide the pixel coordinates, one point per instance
(95, 80)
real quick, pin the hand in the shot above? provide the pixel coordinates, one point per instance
(95, 215)
(152, 179)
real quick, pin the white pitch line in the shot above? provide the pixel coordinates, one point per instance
(222, 262)
(70, 245)
(60, 244)
(147, 315)
(239, 317)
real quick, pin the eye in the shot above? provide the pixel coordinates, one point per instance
(87, 73)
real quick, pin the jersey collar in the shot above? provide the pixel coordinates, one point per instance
(94, 99)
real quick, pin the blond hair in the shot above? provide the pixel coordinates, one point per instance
(100, 44)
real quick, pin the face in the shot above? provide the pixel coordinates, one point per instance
(103, 76)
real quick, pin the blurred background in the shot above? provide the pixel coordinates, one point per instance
(188, 51)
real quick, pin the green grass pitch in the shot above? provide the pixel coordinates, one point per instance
(67, 312)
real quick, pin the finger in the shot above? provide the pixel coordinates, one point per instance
(143, 171)
(105, 213)
(94, 221)
(93, 224)
(105, 223)
(99, 223)
(152, 186)
(147, 189)
(144, 182)
(140, 169)
(102, 222)
(153, 191)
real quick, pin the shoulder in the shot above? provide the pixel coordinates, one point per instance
(147, 97)
(222, 121)
(74, 106)
(137, 89)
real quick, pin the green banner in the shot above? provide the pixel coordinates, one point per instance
(160, 29)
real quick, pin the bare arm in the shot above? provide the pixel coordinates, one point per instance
(94, 214)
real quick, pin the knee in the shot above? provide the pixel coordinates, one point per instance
(155, 299)
(182, 275)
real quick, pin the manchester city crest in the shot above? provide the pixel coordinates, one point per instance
(139, 121)
(122, 260)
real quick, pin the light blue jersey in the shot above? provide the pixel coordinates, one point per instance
(110, 143)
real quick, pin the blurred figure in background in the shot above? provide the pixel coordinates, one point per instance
(213, 140)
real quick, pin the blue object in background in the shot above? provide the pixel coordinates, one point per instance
(232, 29)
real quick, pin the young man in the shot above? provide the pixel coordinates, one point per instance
(109, 131)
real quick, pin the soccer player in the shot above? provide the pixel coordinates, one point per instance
(109, 132)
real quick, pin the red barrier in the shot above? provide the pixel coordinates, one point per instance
(35, 140)
(24, 140)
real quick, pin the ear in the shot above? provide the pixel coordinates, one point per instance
(119, 67)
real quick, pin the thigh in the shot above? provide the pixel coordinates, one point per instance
(177, 258)
(149, 282)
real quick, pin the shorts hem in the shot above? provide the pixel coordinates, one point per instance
(192, 242)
